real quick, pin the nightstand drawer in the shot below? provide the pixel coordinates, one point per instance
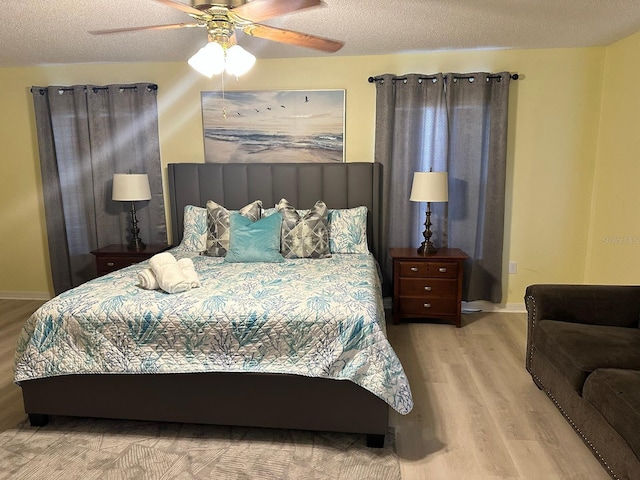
(428, 287)
(109, 264)
(428, 269)
(428, 306)
(413, 269)
(443, 269)
(116, 256)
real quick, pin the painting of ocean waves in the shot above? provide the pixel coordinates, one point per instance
(274, 127)
(259, 141)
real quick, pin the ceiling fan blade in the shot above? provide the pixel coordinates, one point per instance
(260, 10)
(293, 38)
(150, 27)
(181, 6)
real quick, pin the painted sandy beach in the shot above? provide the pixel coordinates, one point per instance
(228, 152)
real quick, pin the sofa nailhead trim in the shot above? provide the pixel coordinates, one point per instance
(531, 307)
(578, 431)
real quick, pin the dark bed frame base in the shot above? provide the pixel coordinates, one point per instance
(37, 420)
(240, 399)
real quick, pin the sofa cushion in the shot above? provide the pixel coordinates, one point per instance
(615, 393)
(576, 349)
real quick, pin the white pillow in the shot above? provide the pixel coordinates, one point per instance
(348, 230)
(194, 233)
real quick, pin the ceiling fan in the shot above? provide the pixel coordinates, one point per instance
(223, 17)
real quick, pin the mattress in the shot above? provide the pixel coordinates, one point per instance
(312, 317)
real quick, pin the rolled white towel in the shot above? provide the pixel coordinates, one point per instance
(168, 273)
(189, 271)
(147, 279)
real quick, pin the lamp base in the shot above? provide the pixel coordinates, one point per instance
(427, 248)
(136, 244)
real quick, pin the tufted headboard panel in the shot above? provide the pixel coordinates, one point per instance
(339, 185)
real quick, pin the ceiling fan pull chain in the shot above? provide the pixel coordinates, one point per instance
(224, 108)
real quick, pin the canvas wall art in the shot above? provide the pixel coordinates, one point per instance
(273, 126)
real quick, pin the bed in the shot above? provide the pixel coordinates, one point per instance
(348, 393)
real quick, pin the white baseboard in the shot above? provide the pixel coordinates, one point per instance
(22, 295)
(485, 306)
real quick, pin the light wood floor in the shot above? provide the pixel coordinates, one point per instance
(477, 413)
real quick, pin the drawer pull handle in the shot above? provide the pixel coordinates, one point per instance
(110, 264)
(427, 305)
(442, 270)
(414, 269)
(427, 288)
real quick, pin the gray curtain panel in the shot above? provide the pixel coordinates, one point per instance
(478, 106)
(410, 136)
(86, 134)
(455, 123)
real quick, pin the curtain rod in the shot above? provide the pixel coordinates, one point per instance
(514, 76)
(150, 87)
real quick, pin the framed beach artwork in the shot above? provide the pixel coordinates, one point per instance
(273, 126)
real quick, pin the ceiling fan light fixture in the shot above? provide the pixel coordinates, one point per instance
(214, 58)
(209, 60)
(238, 60)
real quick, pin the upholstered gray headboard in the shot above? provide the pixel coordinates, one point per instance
(339, 185)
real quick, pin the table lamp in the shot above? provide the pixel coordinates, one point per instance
(132, 187)
(429, 187)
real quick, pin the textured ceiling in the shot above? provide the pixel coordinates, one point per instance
(39, 32)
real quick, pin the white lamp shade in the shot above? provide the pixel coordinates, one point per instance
(209, 60)
(238, 60)
(130, 187)
(430, 187)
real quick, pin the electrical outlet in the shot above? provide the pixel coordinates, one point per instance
(513, 267)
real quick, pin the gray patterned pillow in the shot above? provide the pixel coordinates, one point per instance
(218, 225)
(304, 236)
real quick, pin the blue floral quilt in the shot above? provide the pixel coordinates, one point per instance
(320, 318)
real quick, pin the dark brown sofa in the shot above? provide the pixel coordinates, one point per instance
(583, 351)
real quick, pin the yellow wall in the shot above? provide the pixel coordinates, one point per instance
(614, 249)
(555, 110)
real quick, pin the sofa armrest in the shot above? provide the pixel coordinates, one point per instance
(615, 305)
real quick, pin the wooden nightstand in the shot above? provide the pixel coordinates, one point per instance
(115, 257)
(427, 286)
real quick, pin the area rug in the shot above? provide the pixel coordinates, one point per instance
(74, 448)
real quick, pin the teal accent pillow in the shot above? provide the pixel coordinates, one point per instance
(218, 225)
(254, 241)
